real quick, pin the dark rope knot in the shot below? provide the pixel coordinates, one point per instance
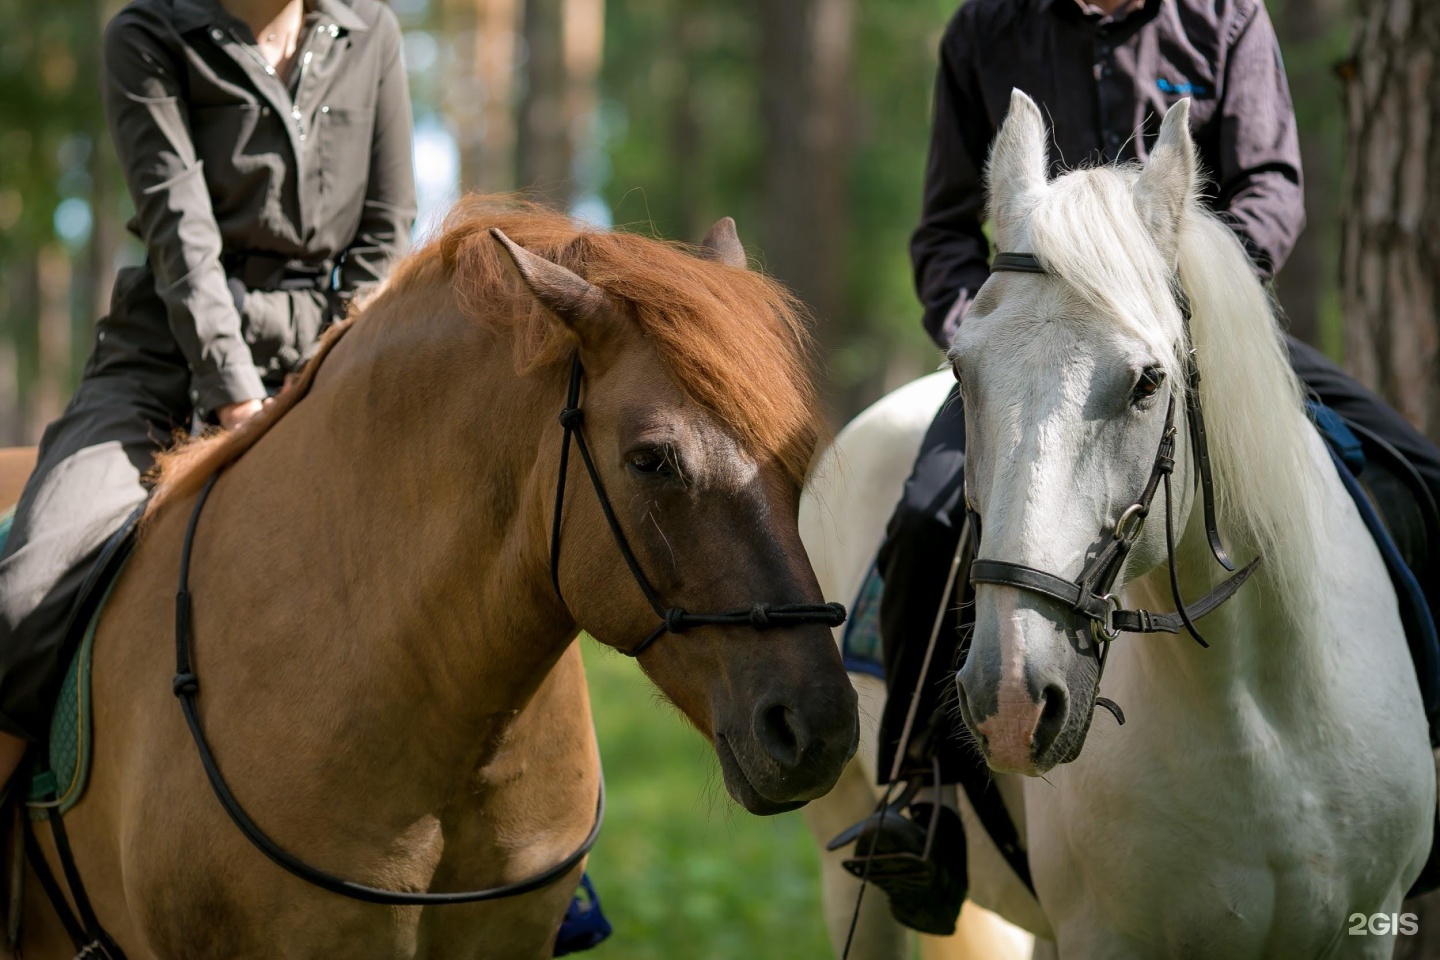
(185, 683)
(675, 620)
(572, 418)
(760, 616)
(837, 613)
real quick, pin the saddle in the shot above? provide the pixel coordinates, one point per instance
(1398, 510)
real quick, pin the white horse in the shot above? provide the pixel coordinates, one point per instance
(1265, 790)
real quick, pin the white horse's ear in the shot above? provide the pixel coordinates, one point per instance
(1019, 162)
(722, 244)
(575, 301)
(1167, 183)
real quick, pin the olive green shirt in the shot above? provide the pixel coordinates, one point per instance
(263, 204)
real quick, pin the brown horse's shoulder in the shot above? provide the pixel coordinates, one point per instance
(16, 463)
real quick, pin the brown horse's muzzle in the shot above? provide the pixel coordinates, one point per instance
(788, 743)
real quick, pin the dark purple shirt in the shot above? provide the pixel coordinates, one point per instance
(1105, 84)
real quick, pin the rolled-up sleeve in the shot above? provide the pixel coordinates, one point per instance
(949, 251)
(150, 127)
(389, 212)
(1260, 191)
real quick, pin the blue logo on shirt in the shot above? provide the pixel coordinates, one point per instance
(1184, 89)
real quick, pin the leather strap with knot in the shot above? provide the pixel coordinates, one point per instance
(758, 616)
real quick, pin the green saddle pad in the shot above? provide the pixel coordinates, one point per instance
(70, 729)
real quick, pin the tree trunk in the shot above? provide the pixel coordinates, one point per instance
(805, 59)
(1390, 253)
(1307, 31)
(543, 154)
(480, 97)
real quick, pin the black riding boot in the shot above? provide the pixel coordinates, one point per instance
(919, 859)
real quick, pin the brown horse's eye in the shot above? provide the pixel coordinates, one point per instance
(1148, 385)
(650, 463)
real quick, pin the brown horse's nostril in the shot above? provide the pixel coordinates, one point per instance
(1054, 708)
(781, 733)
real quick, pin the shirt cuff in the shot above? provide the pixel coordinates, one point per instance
(944, 331)
(225, 385)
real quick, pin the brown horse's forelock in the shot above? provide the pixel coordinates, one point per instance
(736, 341)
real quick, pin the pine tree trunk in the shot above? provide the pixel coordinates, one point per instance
(1390, 249)
(805, 58)
(480, 92)
(543, 140)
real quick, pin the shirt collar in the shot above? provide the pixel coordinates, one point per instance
(1144, 10)
(192, 14)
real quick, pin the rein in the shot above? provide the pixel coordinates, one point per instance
(1088, 595)
(758, 616)
(186, 686)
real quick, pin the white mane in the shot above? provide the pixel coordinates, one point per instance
(1086, 228)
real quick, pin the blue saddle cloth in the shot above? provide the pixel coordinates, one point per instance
(1348, 454)
(584, 926)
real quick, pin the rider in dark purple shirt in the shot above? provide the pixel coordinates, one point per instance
(1105, 72)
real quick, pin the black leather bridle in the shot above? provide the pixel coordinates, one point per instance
(1088, 596)
(186, 685)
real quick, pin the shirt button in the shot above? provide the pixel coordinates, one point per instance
(194, 396)
(1114, 139)
(1105, 71)
(101, 336)
(269, 71)
(264, 111)
(334, 30)
(217, 35)
(324, 109)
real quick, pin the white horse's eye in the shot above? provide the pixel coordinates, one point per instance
(1151, 378)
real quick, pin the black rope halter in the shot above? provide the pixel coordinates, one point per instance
(186, 685)
(1088, 596)
(758, 616)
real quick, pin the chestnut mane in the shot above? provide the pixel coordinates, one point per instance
(736, 341)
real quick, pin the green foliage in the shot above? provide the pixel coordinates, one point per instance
(49, 116)
(681, 869)
(686, 145)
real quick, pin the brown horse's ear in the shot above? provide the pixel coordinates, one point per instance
(722, 244)
(580, 305)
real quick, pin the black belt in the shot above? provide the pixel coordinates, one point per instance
(263, 271)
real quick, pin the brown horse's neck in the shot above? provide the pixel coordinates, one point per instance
(414, 468)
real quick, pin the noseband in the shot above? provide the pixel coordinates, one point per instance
(1088, 595)
(757, 616)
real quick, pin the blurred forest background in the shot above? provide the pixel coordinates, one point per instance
(807, 121)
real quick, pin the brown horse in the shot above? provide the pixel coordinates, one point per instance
(389, 681)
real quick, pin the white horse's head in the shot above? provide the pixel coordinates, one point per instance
(1066, 379)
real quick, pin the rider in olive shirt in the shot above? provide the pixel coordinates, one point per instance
(1105, 73)
(266, 144)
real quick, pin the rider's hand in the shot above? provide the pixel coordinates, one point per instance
(233, 414)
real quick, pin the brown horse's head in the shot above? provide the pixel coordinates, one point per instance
(700, 416)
